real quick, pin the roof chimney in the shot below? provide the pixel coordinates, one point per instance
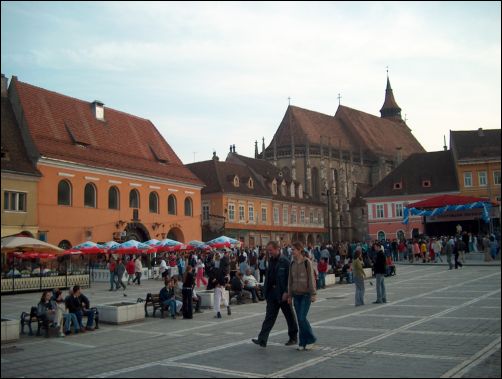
(4, 85)
(99, 110)
(215, 157)
(480, 132)
(399, 156)
(444, 146)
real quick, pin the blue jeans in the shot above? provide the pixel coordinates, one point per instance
(90, 317)
(171, 304)
(321, 283)
(112, 281)
(71, 318)
(359, 290)
(302, 306)
(380, 287)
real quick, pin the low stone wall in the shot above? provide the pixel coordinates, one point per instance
(10, 330)
(121, 312)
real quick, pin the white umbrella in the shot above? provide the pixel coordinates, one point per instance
(27, 244)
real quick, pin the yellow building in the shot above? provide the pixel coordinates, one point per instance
(253, 201)
(477, 158)
(19, 177)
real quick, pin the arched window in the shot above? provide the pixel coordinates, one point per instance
(274, 187)
(283, 188)
(300, 191)
(113, 198)
(171, 205)
(134, 199)
(236, 181)
(153, 202)
(381, 236)
(90, 195)
(64, 192)
(188, 207)
(292, 189)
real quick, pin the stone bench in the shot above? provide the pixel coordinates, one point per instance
(207, 298)
(121, 312)
(330, 279)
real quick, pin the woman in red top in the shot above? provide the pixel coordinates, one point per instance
(130, 271)
(322, 267)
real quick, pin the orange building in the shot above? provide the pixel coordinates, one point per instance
(253, 201)
(477, 156)
(105, 174)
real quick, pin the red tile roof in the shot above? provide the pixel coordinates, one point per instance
(65, 128)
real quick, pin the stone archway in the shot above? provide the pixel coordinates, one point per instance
(176, 234)
(137, 231)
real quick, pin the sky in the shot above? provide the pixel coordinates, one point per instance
(209, 75)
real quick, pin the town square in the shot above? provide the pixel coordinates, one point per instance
(250, 189)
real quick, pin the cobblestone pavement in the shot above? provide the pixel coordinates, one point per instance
(437, 323)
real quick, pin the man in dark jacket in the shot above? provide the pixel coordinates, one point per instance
(276, 294)
(380, 268)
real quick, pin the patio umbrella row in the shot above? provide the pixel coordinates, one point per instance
(27, 248)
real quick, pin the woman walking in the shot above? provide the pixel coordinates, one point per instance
(302, 292)
(359, 276)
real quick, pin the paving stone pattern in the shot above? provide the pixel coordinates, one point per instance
(437, 323)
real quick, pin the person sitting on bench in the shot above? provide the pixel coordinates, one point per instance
(251, 284)
(46, 311)
(236, 286)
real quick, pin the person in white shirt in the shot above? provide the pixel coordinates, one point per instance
(251, 284)
(163, 268)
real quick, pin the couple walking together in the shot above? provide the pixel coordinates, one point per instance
(288, 283)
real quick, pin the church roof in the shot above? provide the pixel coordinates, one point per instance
(349, 130)
(423, 173)
(65, 128)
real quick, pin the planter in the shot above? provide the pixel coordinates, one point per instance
(121, 312)
(10, 330)
(207, 298)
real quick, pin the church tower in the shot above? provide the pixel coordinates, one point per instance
(390, 110)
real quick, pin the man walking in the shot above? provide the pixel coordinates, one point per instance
(380, 274)
(276, 294)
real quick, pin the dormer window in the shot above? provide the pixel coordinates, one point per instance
(426, 183)
(283, 188)
(274, 187)
(300, 191)
(398, 186)
(236, 181)
(250, 183)
(292, 189)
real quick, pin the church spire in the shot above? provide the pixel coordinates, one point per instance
(390, 109)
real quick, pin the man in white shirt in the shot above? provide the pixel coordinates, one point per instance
(251, 284)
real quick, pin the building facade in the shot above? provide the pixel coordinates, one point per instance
(252, 201)
(19, 177)
(477, 158)
(339, 158)
(105, 174)
(419, 177)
